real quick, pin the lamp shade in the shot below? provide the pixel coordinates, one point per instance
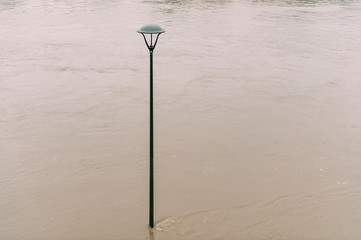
(151, 29)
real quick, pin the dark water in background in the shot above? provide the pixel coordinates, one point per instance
(257, 112)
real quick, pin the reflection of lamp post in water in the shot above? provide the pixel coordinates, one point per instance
(150, 30)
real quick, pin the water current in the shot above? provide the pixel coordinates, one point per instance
(257, 120)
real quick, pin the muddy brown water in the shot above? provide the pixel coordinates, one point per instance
(257, 120)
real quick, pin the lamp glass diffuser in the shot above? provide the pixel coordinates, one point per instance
(151, 29)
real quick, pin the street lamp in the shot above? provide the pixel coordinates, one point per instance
(151, 29)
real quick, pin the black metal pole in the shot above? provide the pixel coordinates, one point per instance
(151, 148)
(151, 29)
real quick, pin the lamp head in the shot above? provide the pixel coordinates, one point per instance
(151, 29)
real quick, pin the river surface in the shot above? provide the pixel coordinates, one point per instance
(257, 120)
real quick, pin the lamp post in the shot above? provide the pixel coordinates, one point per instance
(151, 30)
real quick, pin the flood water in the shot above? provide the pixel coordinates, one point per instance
(257, 120)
